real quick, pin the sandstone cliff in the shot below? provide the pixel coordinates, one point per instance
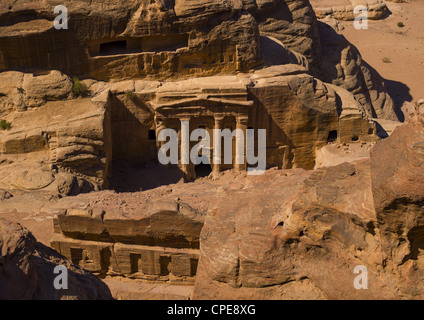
(162, 39)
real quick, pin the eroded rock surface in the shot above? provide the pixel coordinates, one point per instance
(365, 213)
(157, 39)
(269, 65)
(26, 269)
(345, 9)
(398, 197)
(288, 234)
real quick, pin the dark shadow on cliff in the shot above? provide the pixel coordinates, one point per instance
(268, 10)
(333, 45)
(83, 285)
(387, 13)
(398, 91)
(131, 178)
(134, 165)
(274, 53)
(381, 132)
(400, 94)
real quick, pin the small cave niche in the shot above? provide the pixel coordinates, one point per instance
(145, 44)
(115, 47)
(76, 255)
(136, 262)
(152, 135)
(105, 257)
(332, 136)
(203, 170)
(416, 239)
(355, 139)
(371, 228)
(165, 265)
(193, 266)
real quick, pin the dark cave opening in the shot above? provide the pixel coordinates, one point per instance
(115, 47)
(203, 170)
(332, 136)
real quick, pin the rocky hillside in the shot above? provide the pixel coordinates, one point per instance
(81, 112)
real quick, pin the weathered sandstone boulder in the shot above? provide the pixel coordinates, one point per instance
(58, 146)
(19, 91)
(344, 9)
(398, 197)
(280, 244)
(26, 270)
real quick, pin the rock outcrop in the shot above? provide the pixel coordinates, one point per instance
(342, 65)
(59, 146)
(287, 234)
(345, 9)
(398, 197)
(27, 270)
(282, 244)
(162, 40)
(270, 65)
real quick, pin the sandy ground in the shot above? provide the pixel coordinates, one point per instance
(396, 53)
(335, 154)
(130, 289)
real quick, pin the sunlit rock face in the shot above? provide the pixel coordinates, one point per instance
(284, 72)
(302, 234)
(109, 40)
(106, 39)
(149, 65)
(162, 39)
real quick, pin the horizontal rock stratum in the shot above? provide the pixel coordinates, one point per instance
(345, 9)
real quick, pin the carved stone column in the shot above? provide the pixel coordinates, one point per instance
(217, 156)
(186, 166)
(240, 161)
